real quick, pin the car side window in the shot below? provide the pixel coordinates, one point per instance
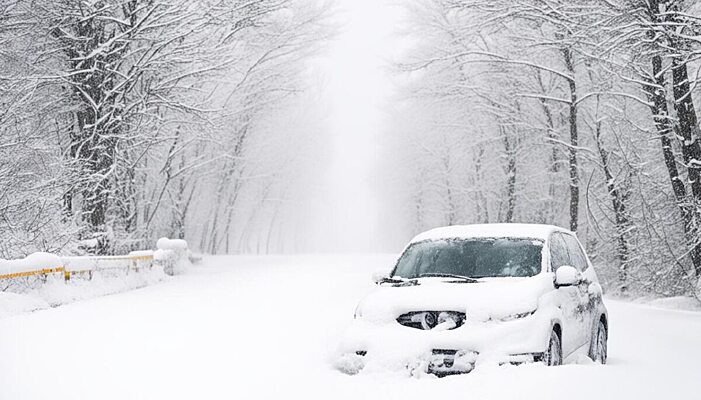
(558, 252)
(579, 260)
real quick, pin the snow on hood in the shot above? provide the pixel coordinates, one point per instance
(491, 298)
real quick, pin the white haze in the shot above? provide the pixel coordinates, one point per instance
(356, 79)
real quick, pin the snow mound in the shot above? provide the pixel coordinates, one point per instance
(173, 255)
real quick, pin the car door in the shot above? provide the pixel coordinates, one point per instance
(588, 305)
(571, 300)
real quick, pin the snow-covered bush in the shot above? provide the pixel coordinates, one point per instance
(173, 255)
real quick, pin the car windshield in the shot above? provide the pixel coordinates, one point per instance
(473, 258)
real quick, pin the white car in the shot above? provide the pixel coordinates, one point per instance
(461, 295)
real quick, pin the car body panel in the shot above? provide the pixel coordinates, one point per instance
(505, 317)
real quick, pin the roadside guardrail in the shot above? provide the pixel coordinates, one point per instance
(172, 255)
(83, 266)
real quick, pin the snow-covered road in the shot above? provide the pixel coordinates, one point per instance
(266, 327)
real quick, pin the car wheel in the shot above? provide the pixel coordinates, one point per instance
(553, 355)
(599, 348)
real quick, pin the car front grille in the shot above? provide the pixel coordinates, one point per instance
(445, 362)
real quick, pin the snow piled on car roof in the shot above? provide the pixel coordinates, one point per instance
(531, 231)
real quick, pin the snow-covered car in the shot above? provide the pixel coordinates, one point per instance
(462, 295)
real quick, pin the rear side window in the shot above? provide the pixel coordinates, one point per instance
(579, 260)
(558, 252)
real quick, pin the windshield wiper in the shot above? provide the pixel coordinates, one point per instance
(442, 275)
(399, 281)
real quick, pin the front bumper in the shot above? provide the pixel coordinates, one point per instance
(444, 362)
(447, 352)
(449, 362)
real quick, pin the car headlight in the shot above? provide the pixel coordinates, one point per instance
(428, 320)
(517, 316)
(447, 320)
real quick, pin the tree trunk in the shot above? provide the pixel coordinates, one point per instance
(451, 214)
(574, 139)
(660, 113)
(510, 150)
(480, 199)
(691, 151)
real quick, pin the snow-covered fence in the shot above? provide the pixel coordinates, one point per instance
(173, 256)
(38, 268)
(85, 266)
(44, 280)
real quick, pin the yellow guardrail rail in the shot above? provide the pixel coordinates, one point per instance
(43, 271)
(67, 273)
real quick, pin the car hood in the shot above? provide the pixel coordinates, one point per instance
(491, 298)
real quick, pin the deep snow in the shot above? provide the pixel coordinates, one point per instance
(267, 327)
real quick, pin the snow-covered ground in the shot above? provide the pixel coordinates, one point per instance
(267, 327)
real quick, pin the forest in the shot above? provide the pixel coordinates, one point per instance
(122, 121)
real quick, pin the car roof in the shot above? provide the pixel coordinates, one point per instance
(531, 231)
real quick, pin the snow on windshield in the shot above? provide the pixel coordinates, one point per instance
(475, 258)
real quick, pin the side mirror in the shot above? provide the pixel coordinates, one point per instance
(379, 276)
(567, 276)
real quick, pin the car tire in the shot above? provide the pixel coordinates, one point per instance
(553, 354)
(599, 344)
